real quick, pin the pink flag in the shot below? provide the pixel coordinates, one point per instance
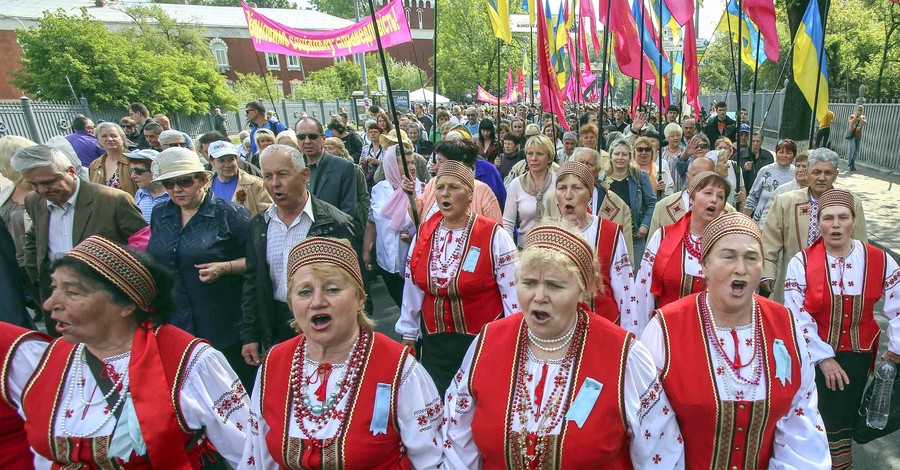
(681, 10)
(551, 98)
(691, 79)
(762, 13)
(587, 11)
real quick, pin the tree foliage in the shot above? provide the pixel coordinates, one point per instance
(235, 3)
(341, 8)
(116, 68)
(343, 78)
(252, 87)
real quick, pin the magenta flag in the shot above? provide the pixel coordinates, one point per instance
(681, 10)
(762, 13)
(276, 38)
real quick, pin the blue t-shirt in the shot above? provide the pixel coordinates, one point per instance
(224, 190)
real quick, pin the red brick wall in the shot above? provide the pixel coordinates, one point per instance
(10, 53)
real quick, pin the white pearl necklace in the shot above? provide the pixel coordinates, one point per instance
(77, 388)
(540, 342)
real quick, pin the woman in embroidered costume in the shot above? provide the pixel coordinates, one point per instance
(838, 322)
(459, 276)
(122, 388)
(20, 352)
(574, 189)
(557, 386)
(735, 366)
(671, 266)
(339, 395)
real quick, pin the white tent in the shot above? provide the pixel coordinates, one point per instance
(422, 95)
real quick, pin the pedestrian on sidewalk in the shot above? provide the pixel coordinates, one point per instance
(854, 136)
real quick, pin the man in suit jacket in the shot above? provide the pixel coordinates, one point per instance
(672, 208)
(295, 215)
(65, 210)
(793, 221)
(331, 179)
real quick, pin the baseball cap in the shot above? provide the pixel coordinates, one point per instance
(745, 128)
(145, 154)
(220, 148)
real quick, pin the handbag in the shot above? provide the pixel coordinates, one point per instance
(862, 433)
(852, 131)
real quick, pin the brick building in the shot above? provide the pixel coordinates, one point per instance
(226, 29)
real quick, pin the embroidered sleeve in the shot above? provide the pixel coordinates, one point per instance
(652, 427)
(621, 280)
(420, 413)
(460, 450)
(214, 399)
(255, 453)
(800, 440)
(407, 325)
(794, 300)
(506, 256)
(644, 300)
(892, 304)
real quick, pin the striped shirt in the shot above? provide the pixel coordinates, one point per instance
(280, 239)
(62, 217)
(146, 202)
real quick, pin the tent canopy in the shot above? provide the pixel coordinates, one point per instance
(422, 95)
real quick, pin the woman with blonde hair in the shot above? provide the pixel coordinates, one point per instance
(725, 167)
(12, 198)
(633, 186)
(112, 168)
(527, 195)
(287, 137)
(335, 146)
(262, 138)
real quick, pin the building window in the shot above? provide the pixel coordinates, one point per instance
(220, 52)
(419, 12)
(272, 61)
(293, 62)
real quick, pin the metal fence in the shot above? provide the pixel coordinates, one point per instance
(877, 145)
(41, 120)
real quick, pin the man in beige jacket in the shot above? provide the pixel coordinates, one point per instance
(233, 184)
(792, 223)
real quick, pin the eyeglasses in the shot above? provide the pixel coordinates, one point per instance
(185, 182)
(642, 149)
(248, 111)
(127, 127)
(89, 128)
(140, 171)
(313, 136)
(702, 145)
(176, 144)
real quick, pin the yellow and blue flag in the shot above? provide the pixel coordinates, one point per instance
(498, 11)
(808, 70)
(752, 44)
(654, 57)
(678, 71)
(528, 6)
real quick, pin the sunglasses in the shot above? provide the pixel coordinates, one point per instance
(642, 149)
(128, 127)
(703, 146)
(140, 171)
(313, 136)
(185, 182)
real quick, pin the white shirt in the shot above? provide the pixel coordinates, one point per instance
(59, 241)
(621, 278)
(280, 239)
(786, 187)
(521, 208)
(504, 257)
(800, 441)
(640, 379)
(419, 413)
(847, 275)
(390, 251)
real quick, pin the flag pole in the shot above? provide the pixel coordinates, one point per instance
(812, 124)
(738, 89)
(496, 134)
(605, 64)
(659, 124)
(434, 90)
(531, 57)
(755, 83)
(641, 73)
(762, 125)
(387, 84)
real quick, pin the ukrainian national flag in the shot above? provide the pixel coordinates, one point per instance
(528, 5)
(807, 68)
(652, 54)
(752, 45)
(498, 11)
(678, 71)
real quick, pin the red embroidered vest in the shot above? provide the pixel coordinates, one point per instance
(602, 441)
(670, 282)
(846, 322)
(472, 298)
(14, 448)
(355, 446)
(717, 433)
(157, 354)
(608, 234)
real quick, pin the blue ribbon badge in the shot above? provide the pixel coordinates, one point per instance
(382, 409)
(782, 362)
(584, 401)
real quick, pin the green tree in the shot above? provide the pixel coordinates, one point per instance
(251, 87)
(404, 75)
(234, 3)
(94, 60)
(341, 8)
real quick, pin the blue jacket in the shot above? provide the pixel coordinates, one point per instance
(488, 174)
(642, 199)
(272, 125)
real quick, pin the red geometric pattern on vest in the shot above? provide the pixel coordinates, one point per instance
(607, 237)
(162, 352)
(14, 448)
(602, 441)
(721, 434)
(846, 322)
(355, 447)
(670, 282)
(472, 299)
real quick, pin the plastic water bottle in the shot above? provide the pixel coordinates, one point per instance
(880, 405)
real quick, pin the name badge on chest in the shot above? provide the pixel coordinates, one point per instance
(471, 259)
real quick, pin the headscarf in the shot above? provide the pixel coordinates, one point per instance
(118, 266)
(728, 224)
(579, 170)
(321, 250)
(837, 198)
(573, 246)
(396, 206)
(458, 170)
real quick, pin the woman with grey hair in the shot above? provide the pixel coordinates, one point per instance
(112, 168)
(12, 200)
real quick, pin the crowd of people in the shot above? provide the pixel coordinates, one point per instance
(642, 289)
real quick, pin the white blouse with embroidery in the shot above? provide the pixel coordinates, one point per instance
(800, 441)
(419, 414)
(651, 424)
(504, 256)
(620, 276)
(212, 398)
(847, 276)
(645, 301)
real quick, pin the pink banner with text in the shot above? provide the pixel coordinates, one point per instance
(276, 38)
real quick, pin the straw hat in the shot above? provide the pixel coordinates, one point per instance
(178, 161)
(390, 138)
